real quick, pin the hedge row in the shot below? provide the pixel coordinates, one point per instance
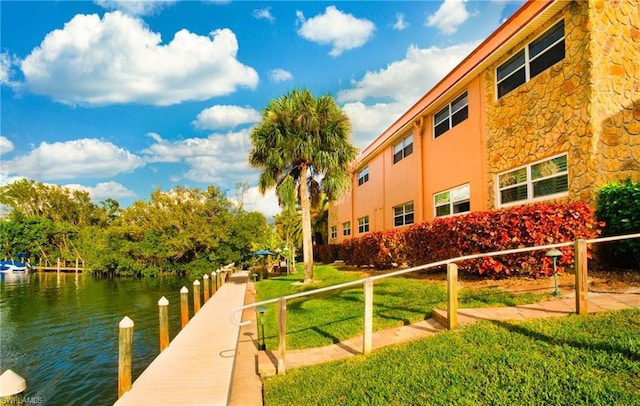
(472, 233)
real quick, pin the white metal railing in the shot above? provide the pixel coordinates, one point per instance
(580, 258)
(423, 267)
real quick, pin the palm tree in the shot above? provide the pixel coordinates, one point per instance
(302, 147)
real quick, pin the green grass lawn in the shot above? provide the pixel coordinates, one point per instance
(334, 316)
(573, 360)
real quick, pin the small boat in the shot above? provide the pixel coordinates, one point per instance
(11, 265)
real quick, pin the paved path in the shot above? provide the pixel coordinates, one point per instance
(597, 302)
(197, 367)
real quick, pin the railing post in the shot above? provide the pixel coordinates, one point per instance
(205, 279)
(580, 260)
(196, 296)
(163, 313)
(125, 344)
(184, 306)
(282, 334)
(452, 296)
(368, 316)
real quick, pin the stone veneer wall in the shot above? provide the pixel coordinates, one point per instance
(615, 75)
(554, 112)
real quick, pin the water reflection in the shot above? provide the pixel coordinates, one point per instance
(59, 331)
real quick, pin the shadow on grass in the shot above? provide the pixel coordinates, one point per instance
(523, 330)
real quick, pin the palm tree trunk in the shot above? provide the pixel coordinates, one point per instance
(305, 206)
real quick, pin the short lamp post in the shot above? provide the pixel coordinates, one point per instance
(261, 310)
(255, 277)
(554, 254)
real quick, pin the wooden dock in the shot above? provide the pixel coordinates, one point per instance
(197, 367)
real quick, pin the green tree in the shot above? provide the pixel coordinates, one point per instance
(302, 147)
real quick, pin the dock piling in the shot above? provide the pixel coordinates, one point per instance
(125, 348)
(163, 313)
(184, 306)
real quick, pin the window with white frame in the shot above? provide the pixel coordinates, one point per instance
(334, 232)
(346, 228)
(536, 181)
(363, 224)
(363, 176)
(452, 201)
(450, 116)
(403, 214)
(403, 149)
(536, 57)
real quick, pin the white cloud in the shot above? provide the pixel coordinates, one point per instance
(104, 190)
(85, 157)
(135, 7)
(279, 75)
(400, 23)
(117, 59)
(219, 159)
(263, 14)
(342, 31)
(401, 84)
(450, 15)
(5, 145)
(5, 68)
(266, 204)
(222, 116)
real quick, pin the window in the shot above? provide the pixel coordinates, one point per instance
(363, 224)
(403, 149)
(363, 176)
(346, 228)
(403, 214)
(452, 201)
(535, 181)
(450, 116)
(533, 59)
(334, 232)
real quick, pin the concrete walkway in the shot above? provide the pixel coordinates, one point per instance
(197, 367)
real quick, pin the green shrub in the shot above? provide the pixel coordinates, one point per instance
(327, 253)
(618, 207)
(380, 249)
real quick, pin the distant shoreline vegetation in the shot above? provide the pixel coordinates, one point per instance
(179, 232)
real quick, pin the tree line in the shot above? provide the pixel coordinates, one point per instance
(177, 232)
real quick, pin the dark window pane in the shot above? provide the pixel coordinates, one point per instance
(551, 186)
(462, 207)
(513, 194)
(397, 156)
(443, 211)
(545, 41)
(545, 60)
(408, 219)
(459, 116)
(511, 82)
(459, 103)
(397, 221)
(441, 129)
(516, 62)
(442, 115)
(408, 150)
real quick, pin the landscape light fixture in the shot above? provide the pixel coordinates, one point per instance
(554, 254)
(261, 310)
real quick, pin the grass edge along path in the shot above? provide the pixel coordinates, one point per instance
(335, 316)
(588, 360)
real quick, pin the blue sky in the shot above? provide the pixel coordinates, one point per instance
(119, 98)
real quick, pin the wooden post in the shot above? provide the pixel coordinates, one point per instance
(282, 334)
(214, 282)
(452, 296)
(77, 266)
(58, 266)
(205, 279)
(581, 276)
(163, 312)
(368, 316)
(125, 347)
(196, 296)
(12, 386)
(184, 306)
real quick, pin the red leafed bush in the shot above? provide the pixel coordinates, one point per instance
(479, 232)
(326, 254)
(380, 249)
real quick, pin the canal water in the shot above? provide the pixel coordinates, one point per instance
(60, 331)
